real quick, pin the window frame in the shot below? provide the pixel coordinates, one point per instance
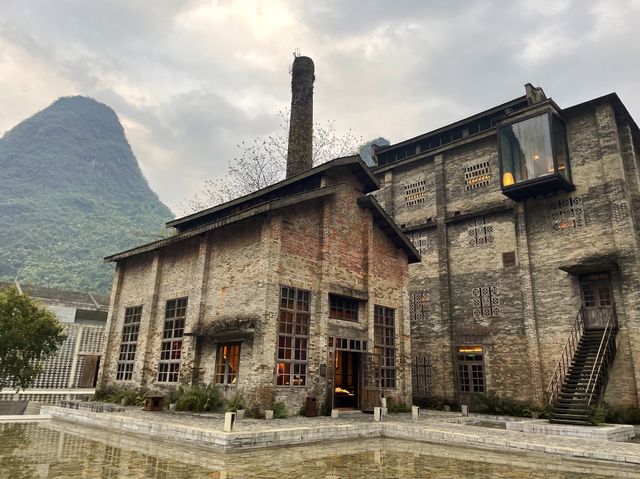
(293, 338)
(551, 116)
(344, 309)
(171, 342)
(225, 375)
(128, 343)
(472, 385)
(384, 344)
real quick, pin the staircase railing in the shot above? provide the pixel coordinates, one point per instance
(564, 363)
(604, 359)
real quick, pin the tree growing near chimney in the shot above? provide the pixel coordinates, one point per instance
(263, 162)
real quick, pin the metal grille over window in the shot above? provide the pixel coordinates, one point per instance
(480, 232)
(385, 344)
(486, 301)
(419, 240)
(415, 193)
(171, 346)
(129, 343)
(567, 213)
(419, 306)
(227, 363)
(293, 337)
(477, 176)
(470, 369)
(421, 376)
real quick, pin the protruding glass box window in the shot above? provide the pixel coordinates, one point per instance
(534, 157)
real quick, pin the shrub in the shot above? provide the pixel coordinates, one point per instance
(395, 405)
(279, 410)
(113, 394)
(235, 402)
(172, 395)
(492, 404)
(605, 413)
(200, 399)
(435, 402)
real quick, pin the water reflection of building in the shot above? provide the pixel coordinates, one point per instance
(526, 217)
(73, 370)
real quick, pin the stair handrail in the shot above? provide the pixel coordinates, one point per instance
(603, 357)
(564, 363)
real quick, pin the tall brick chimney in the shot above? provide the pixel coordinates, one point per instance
(299, 154)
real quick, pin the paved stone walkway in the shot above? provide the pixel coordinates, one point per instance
(432, 427)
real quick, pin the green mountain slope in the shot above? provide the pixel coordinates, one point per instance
(71, 192)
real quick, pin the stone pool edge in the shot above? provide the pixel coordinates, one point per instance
(243, 440)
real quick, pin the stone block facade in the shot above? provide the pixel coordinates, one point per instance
(503, 277)
(234, 268)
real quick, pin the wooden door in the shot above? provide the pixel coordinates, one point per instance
(90, 372)
(597, 299)
(371, 390)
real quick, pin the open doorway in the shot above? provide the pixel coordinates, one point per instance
(346, 380)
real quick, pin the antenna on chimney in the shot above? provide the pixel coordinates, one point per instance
(296, 54)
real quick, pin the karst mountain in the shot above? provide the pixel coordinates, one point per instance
(71, 192)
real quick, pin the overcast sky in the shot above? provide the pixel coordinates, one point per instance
(191, 79)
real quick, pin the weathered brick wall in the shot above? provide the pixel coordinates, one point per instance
(325, 245)
(538, 301)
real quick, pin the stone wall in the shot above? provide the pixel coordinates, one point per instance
(472, 237)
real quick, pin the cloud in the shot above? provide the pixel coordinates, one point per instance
(192, 79)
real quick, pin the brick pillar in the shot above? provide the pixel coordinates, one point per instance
(626, 295)
(144, 372)
(448, 353)
(109, 354)
(528, 304)
(195, 313)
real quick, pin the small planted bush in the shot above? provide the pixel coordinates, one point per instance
(279, 410)
(395, 405)
(113, 394)
(605, 413)
(235, 402)
(200, 399)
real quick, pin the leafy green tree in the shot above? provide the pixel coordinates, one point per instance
(29, 333)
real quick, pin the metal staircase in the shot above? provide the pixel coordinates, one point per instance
(580, 378)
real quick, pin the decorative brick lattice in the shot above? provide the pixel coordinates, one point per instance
(92, 340)
(567, 214)
(486, 301)
(419, 239)
(57, 370)
(419, 306)
(620, 211)
(415, 193)
(480, 232)
(477, 176)
(421, 376)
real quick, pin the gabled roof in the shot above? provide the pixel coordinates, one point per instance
(77, 298)
(278, 190)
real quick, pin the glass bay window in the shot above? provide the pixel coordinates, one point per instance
(534, 157)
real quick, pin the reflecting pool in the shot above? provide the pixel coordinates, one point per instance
(61, 450)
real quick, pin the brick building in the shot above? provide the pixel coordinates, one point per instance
(298, 289)
(526, 217)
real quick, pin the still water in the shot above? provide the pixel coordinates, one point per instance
(61, 450)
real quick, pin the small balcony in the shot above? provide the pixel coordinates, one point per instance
(534, 157)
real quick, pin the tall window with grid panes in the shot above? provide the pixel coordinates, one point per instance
(171, 346)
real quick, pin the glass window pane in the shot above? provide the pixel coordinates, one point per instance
(526, 151)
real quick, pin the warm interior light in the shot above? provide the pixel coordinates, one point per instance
(470, 349)
(507, 179)
(536, 157)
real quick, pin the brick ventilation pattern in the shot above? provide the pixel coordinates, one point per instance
(486, 301)
(480, 232)
(567, 214)
(415, 193)
(477, 176)
(421, 376)
(419, 306)
(419, 240)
